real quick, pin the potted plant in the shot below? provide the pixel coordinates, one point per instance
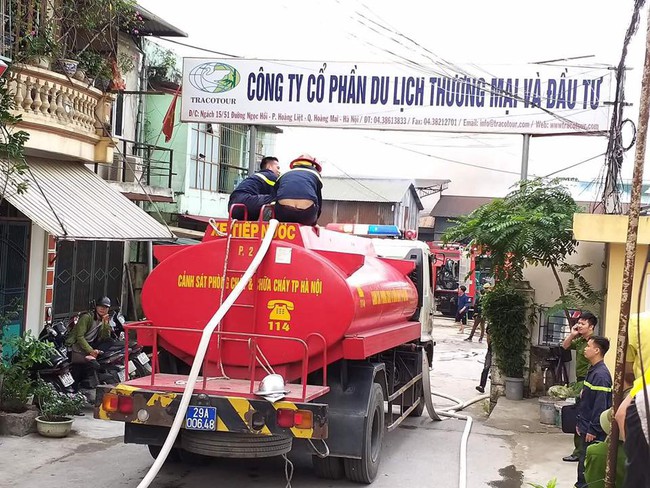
(505, 310)
(24, 353)
(57, 410)
(96, 68)
(38, 47)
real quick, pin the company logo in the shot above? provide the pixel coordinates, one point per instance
(214, 77)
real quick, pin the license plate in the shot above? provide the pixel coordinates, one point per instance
(120, 374)
(66, 379)
(143, 358)
(201, 418)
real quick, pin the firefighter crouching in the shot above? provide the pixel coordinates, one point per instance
(297, 193)
(256, 190)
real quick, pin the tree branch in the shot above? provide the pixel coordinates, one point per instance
(561, 287)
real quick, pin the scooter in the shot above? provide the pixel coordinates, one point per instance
(57, 371)
(139, 362)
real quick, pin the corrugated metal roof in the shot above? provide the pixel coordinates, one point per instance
(457, 205)
(365, 189)
(71, 202)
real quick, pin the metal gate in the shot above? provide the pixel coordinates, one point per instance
(14, 259)
(86, 270)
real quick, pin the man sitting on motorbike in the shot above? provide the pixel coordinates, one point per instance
(92, 329)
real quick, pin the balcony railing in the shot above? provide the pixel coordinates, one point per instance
(52, 105)
(147, 164)
(56, 98)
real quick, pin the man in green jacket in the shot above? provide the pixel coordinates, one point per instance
(577, 340)
(92, 329)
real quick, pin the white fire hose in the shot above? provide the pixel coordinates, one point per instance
(200, 355)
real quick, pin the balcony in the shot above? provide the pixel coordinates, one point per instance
(140, 171)
(64, 117)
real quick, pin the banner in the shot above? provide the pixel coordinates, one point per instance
(504, 99)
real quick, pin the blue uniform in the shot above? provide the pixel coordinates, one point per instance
(254, 192)
(298, 184)
(595, 398)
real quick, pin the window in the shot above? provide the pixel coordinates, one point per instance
(218, 156)
(234, 156)
(6, 30)
(117, 116)
(204, 156)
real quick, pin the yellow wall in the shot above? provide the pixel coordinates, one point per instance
(612, 229)
(616, 260)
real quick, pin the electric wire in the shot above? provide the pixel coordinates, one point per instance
(198, 48)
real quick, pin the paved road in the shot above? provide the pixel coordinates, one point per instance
(419, 454)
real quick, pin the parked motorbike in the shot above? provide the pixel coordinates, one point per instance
(57, 371)
(139, 362)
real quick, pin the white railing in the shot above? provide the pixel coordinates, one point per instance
(42, 95)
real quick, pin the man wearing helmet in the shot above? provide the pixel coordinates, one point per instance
(297, 193)
(92, 329)
(255, 191)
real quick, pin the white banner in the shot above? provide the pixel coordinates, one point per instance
(524, 99)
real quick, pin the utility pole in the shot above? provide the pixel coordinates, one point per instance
(630, 257)
(524, 157)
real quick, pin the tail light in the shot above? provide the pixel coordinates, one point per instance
(300, 419)
(117, 403)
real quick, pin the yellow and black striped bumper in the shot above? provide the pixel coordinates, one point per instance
(234, 414)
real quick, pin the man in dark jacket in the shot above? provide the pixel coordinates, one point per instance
(255, 191)
(297, 193)
(595, 398)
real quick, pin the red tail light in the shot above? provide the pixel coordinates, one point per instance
(300, 419)
(125, 405)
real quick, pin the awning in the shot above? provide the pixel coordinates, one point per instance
(71, 202)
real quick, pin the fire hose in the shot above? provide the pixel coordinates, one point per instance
(200, 355)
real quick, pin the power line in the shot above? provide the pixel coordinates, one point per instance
(198, 48)
(576, 164)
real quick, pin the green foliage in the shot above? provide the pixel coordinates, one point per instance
(163, 64)
(551, 484)
(505, 310)
(531, 225)
(578, 294)
(17, 385)
(54, 405)
(94, 65)
(13, 167)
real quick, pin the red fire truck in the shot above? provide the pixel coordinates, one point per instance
(342, 322)
(455, 265)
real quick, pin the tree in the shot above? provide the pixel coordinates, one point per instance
(13, 167)
(531, 225)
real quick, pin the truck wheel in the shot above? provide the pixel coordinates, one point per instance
(172, 457)
(365, 470)
(418, 393)
(330, 468)
(193, 459)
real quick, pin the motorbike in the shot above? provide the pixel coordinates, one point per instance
(139, 362)
(57, 371)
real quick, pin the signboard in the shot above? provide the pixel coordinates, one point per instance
(528, 99)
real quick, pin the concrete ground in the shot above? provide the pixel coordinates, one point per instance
(507, 450)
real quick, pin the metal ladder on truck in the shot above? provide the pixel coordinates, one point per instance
(229, 272)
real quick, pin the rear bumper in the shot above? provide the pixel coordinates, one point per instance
(234, 414)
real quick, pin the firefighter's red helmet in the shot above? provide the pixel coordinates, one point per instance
(306, 160)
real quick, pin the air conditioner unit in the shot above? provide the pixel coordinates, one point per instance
(126, 168)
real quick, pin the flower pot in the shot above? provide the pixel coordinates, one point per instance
(54, 429)
(40, 62)
(79, 75)
(514, 388)
(68, 66)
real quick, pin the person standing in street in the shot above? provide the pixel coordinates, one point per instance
(462, 307)
(595, 398)
(487, 364)
(577, 340)
(255, 191)
(478, 313)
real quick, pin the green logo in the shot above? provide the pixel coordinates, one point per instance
(214, 77)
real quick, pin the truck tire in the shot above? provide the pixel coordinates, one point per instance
(192, 458)
(418, 393)
(365, 470)
(173, 456)
(235, 445)
(329, 468)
